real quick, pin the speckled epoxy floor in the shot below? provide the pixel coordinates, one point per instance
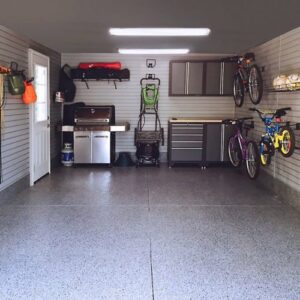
(181, 233)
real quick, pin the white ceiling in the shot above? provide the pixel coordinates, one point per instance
(82, 25)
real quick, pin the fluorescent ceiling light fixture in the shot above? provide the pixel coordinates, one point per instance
(159, 31)
(154, 51)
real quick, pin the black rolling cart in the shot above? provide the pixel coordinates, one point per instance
(147, 141)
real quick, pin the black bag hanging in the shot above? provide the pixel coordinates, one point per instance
(66, 84)
(15, 80)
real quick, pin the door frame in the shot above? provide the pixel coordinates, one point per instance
(32, 52)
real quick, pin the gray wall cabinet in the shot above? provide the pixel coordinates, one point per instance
(195, 71)
(178, 74)
(201, 78)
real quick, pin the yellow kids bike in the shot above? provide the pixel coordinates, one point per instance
(278, 135)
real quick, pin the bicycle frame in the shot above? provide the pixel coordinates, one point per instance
(272, 132)
(243, 70)
(242, 142)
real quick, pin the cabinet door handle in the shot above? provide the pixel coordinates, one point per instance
(184, 148)
(195, 141)
(187, 77)
(100, 136)
(81, 136)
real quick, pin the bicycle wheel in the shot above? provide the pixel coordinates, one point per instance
(255, 84)
(238, 90)
(265, 153)
(252, 161)
(234, 152)
(287, 145)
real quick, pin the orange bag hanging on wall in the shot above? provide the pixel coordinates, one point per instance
(29, 95)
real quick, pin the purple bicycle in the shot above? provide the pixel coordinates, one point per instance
(240, 148)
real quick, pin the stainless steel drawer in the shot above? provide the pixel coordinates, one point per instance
(187, 137)
(188, 130)
(187, 144)
(184, 154)
(182, 125)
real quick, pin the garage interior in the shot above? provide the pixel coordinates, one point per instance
(148, 213)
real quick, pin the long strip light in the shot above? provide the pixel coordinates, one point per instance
(159, 31)
(153, 51)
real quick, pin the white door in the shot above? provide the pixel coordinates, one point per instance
(39, 117)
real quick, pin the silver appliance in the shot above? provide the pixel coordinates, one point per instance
(94, 143)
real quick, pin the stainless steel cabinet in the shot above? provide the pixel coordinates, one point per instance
(100, 147)
(213, 142)
(186, 142)
(92, 147)
(82, 147)
(228, 71)
(178, 75)
(213, 78)
(200, 143)
(194, 79)
(201, 78)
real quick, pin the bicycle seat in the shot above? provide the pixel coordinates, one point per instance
(249, 126)
(250, 56)
(230, 122)
(281, 112)
(231, 59)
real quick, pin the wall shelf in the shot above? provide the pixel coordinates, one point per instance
(100, 74)
(283, 90)
(114, 81)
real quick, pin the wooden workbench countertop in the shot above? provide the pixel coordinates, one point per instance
(197, 120)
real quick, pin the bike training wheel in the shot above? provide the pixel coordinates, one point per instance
(255, 83)
(265, 153)
(234, 152)
(287, 146)
(253, 161)
(238, 90)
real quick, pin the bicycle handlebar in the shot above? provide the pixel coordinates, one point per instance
(231, 121)
(260, 113)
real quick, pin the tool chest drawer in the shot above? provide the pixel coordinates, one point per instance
(187, 144)
(186, 154)
(195, 142)
(187, 137)
(187, 129)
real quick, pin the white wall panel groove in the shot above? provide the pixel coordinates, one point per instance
(15, 138)
(127, 97)
(279, 56)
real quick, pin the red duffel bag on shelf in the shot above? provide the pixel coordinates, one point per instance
(97, 65)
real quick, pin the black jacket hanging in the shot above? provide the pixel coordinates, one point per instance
(66, 84)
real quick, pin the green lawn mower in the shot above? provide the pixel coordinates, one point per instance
(147, 142)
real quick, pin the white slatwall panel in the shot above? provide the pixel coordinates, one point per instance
(127, 97)
(279, 56)
(15, 139)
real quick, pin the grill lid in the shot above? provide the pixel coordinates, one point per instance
(91, 115)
